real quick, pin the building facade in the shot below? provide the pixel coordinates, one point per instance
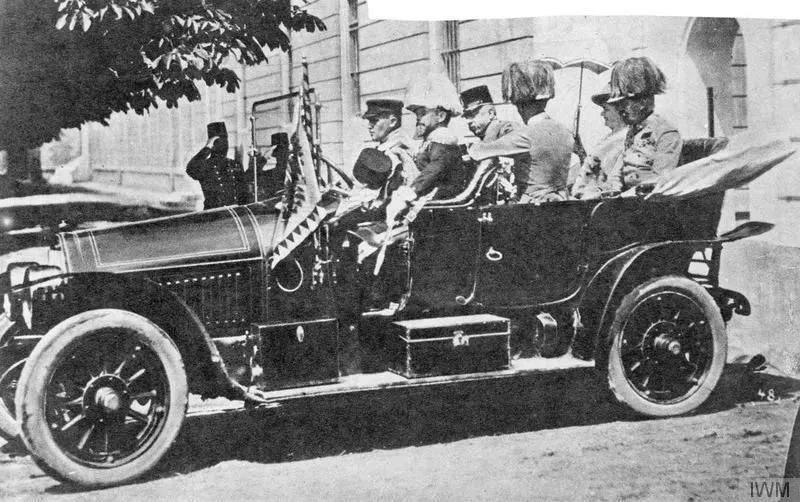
(749, 68)
(727, 74)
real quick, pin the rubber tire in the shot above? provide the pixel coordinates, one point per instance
(618, 383)
(9, 428)
(44, 361)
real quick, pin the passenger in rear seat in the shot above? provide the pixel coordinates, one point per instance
(529, 86)
(481, 117)
(652, 145)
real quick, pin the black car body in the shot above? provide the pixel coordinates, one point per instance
(108, 334)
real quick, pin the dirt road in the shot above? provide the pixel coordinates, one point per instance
(553, 437)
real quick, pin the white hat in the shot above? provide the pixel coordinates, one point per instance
(433, 90)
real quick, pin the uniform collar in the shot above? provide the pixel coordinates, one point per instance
(442, 135)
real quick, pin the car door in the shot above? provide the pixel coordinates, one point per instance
(444, 257)
(530, 253)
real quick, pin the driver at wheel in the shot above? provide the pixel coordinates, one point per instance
(382, 169)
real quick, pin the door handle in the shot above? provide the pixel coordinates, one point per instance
(493, 255)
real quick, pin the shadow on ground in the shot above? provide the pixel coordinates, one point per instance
(323, 427)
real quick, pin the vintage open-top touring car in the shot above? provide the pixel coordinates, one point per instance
(105, 335)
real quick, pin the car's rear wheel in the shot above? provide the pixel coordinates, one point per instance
(102, 398)
(667, 347)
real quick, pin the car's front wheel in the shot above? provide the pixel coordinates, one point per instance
(667, 347)
(13, 354)
(102, 398)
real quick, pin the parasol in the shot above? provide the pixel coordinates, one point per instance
(567, 104)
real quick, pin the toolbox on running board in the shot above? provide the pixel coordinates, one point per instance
(449, 345)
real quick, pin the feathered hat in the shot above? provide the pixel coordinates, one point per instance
(528, 81)
(634, 77)
(433, 90)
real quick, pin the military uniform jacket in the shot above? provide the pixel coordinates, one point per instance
(549, 145)
(522, 162)
(439, 164)
(222, 179)
(652, 148)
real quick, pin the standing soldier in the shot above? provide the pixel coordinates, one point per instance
(222, 179)
(652, 145)
(481, 117)
(529, 86)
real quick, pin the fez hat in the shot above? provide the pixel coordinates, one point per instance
(601, 97)
(528, 81)
(433, 90)
(216, 129)
(380, 107)
(372, 168)
(279, 139)
(474, 98)
(635, 77)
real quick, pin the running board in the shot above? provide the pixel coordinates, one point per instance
(365, 382)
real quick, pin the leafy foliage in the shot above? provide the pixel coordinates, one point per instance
(67, 62)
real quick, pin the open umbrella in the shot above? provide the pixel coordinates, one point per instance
(571, 78)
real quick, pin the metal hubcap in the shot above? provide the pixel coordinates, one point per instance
(107, 400)
(666, 347)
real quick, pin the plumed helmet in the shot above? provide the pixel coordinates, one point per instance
(528, 81)
(433, 90)
(638, 76)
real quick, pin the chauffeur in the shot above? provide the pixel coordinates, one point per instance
(390, 164)
(652, 145)
(222, 179)
(530, 85)
(481, 117)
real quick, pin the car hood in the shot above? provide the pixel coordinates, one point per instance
(206, 237)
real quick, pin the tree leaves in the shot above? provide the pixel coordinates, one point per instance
(68, 62)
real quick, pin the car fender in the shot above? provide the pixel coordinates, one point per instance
(617, 275)
(67, 295)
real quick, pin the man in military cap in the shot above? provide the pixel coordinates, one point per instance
(481, 117)
(529, 86)
(652, 145)
(222, 179)
(381, 169)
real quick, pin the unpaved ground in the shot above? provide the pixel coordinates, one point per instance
(551, 437)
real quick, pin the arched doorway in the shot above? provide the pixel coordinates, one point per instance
(716, 70)
(717, 75)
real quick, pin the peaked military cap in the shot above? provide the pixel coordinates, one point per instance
(474, 98)
(372, 168)
(378, 107)
(216, 129)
